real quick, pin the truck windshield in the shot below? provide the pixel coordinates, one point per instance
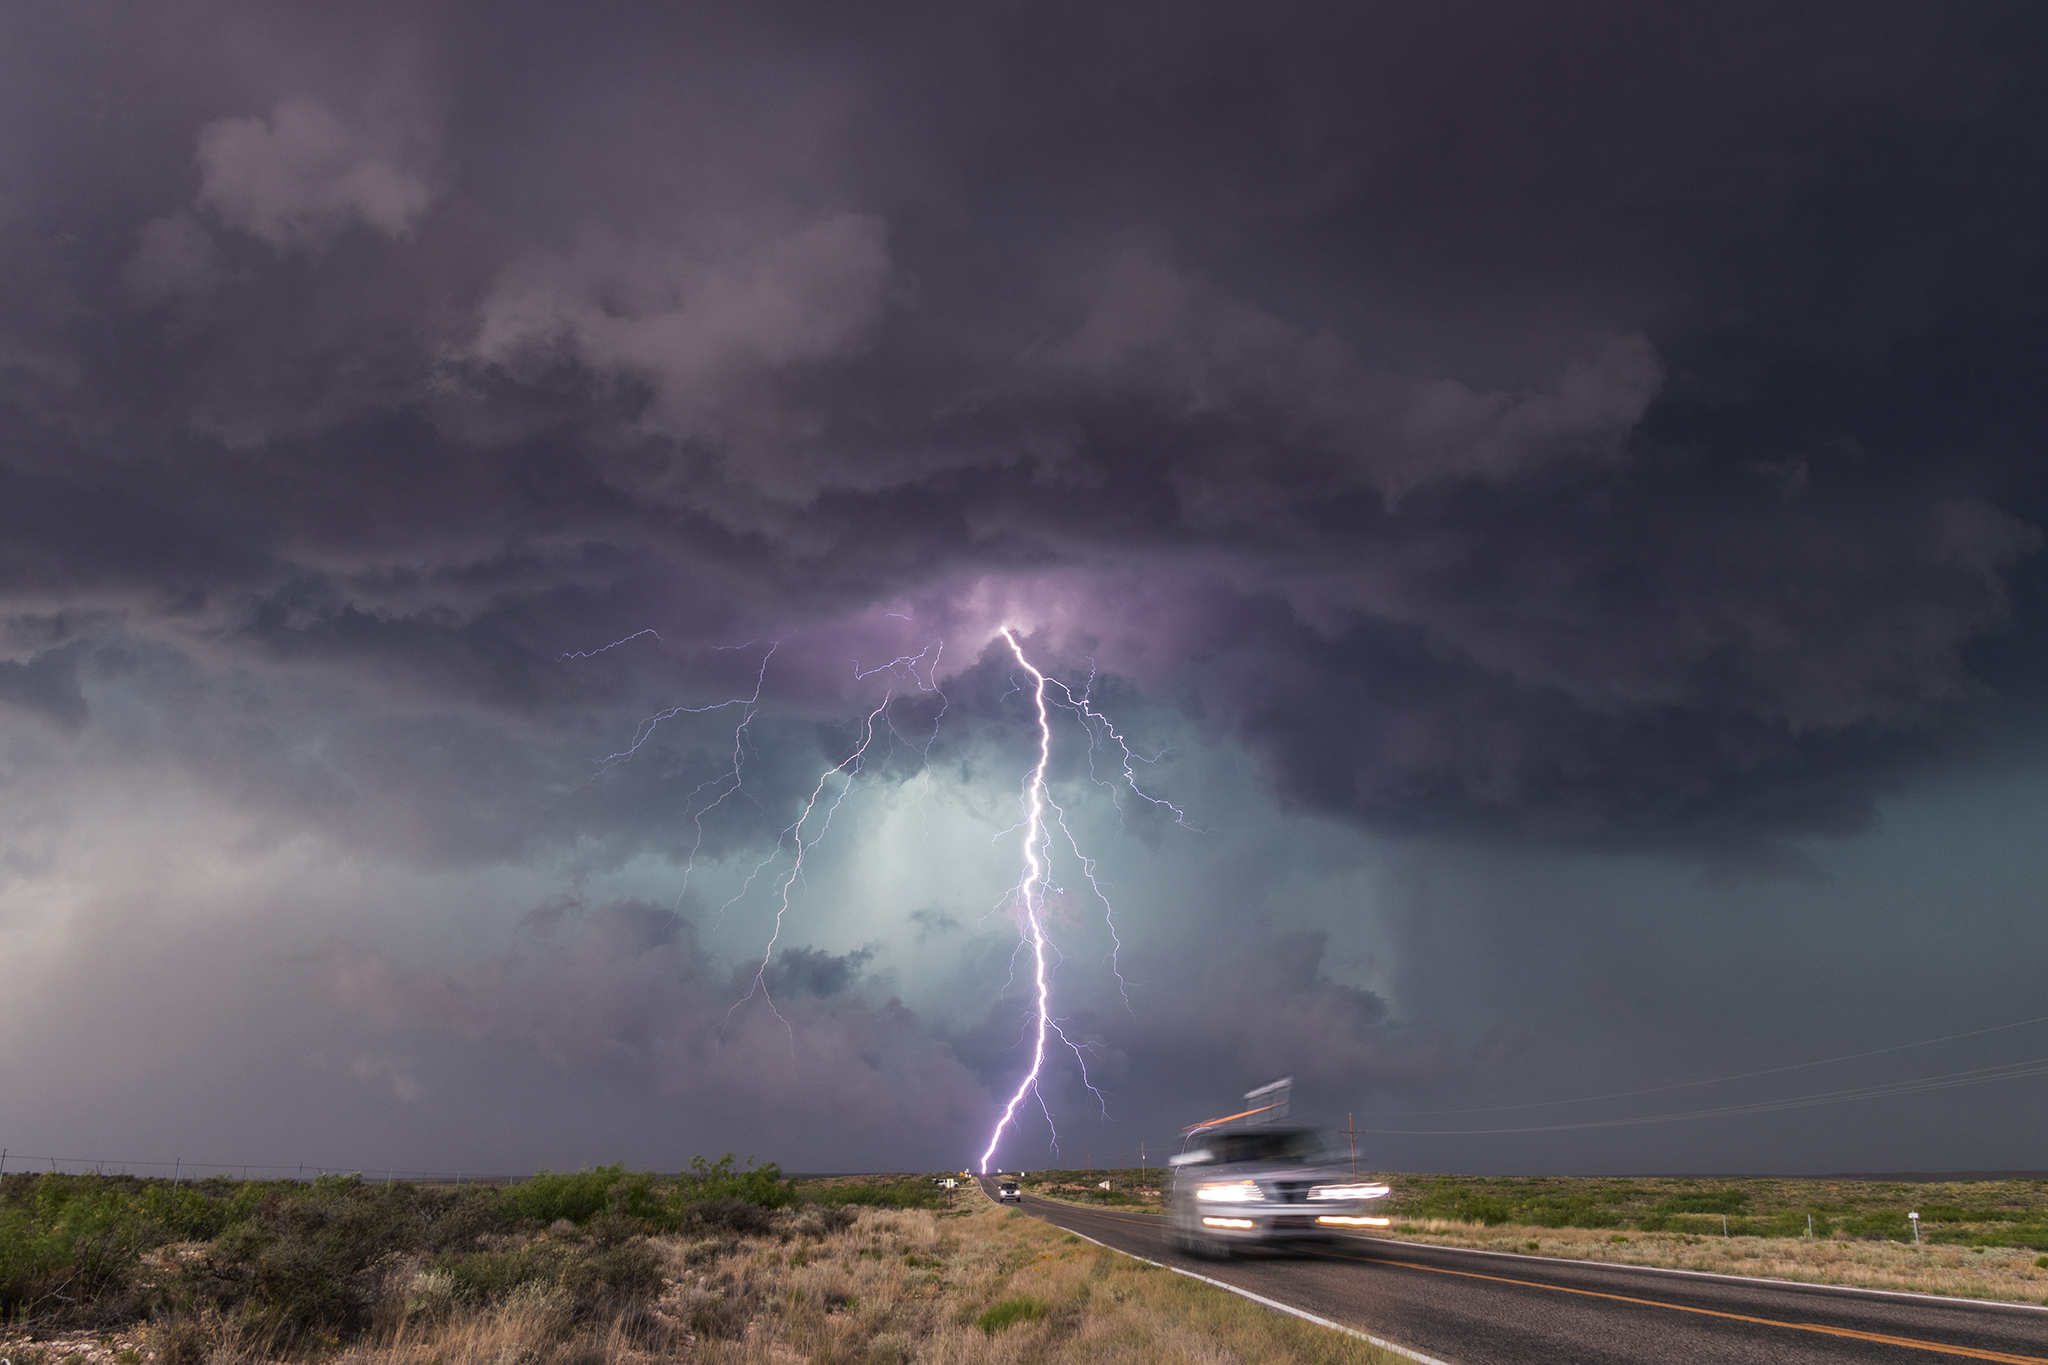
(1285, 1144)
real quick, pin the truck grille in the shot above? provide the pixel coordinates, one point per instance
(1291, 1191)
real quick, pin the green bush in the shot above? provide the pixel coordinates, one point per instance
(547, 1196)
(762, 1185)
(914, 1193)
(1481, 1208)
(1566, 1213)
(491, 1276)
(1705, 1201)
(295, 1262)
(68, 1241)
(1878, 1226)
(1010, 1312)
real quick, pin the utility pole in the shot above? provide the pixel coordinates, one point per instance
(1351, 1132)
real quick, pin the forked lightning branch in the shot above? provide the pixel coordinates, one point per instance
(1044, 827)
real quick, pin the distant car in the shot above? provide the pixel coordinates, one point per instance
(1263, 1186)
(1008, 1193)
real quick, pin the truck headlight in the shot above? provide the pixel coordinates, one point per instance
(1235, 1192)
(1350, 1192)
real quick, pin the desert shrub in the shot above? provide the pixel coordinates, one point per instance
(713, 1249)
(455, 1219)
(708, 1181)
(597, 1279)
(281, 1262)
(1448, 1199)
(612, 1278)
(69, 1248)
(913, 1193)
(304, 1260)
(823, 1223)
(492, 1276)
(575, 1196)
(1878, 1226)
(1579, 1212)
(614, 1228)
(317, 1258)
(719, 1319)
(1705, 1201)
(723, 1314)
(726, 1215)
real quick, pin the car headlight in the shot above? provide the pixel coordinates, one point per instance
(1350, 1192)
(1234, 1192)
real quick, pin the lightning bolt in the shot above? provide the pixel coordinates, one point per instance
(848, 769)
(1042, 815)
(605, 649)
(1027, 896)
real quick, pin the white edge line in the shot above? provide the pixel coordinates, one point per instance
(1380, 1342)
(1260, 1299)
(1953, 1300)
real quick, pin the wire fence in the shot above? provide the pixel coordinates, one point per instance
(178, 1169)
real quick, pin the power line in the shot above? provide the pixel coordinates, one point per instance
(1690, 1085)
(224, 1167)
(2037, 1066)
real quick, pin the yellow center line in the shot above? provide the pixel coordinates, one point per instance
(1912, 1343)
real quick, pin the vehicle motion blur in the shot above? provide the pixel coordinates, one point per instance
(1263, 1183)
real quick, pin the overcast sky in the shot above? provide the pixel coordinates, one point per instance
(1554, 496)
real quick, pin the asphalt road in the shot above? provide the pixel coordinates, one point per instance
(1481, 1308)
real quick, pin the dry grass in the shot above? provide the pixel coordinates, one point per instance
(896, 1287)
(2004, 1273)
(911, 1285)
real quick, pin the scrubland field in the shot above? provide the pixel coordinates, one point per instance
(714, 1265)
(1978, 1239)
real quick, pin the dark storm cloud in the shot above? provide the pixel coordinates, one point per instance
(625, 990)
(1573, 432)
(1601, 426)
